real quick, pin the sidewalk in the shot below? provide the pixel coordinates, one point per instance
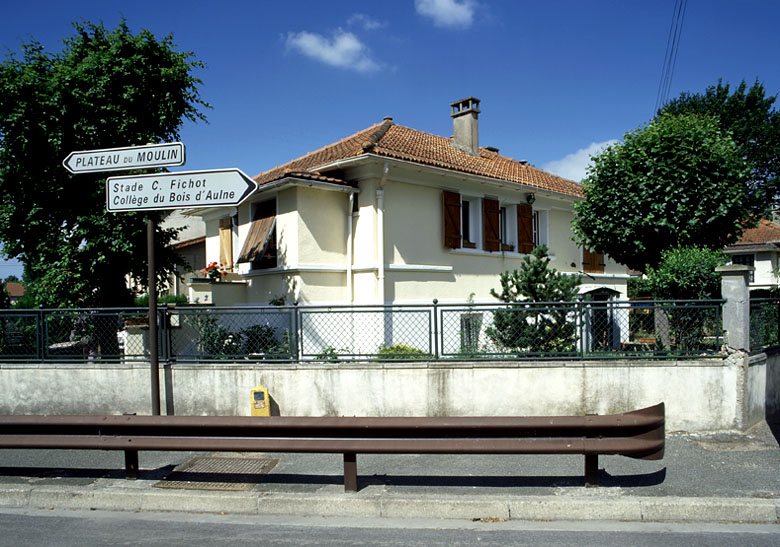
(724, 477)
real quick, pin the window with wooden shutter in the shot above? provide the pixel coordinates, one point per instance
(525, 228)
(226, 242)
(491, 231)
(260, 245)
(451, 215)
(592, 262)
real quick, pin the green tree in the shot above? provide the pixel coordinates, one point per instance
(105, 89)
(687, 273)
(538, 317)
(754, 124)
(5, 300)
(680, 180)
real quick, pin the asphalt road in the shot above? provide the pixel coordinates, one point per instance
(89, 528)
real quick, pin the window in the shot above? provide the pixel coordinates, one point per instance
(592, 262)
(487, 224)
(260, 245)
(540, 228)
(507, 220)
(746, 260)
(226, 241)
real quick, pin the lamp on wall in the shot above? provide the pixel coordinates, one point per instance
(530, 198)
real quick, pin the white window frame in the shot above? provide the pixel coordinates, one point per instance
(508, 224)
(541, 224)
(475, 222)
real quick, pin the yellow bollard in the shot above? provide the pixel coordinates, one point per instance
(261, 405)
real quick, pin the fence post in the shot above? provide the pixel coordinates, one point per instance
(40, 338)
(736, 311)
(435, 329)
(297, 338)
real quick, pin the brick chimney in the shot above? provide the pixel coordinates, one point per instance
(465, 114)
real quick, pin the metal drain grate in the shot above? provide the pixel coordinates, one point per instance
(215, 473)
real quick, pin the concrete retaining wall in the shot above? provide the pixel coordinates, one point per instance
(772, 381)
(700, 395)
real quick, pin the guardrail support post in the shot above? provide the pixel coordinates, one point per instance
(591, 470)
(350, 472)
(131, 464)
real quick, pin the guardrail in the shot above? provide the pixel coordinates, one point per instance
(572, 330)
(637, 434)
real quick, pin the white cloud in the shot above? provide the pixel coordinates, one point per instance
(343, 51)
(364, 21)
(573, 166)
(448, 13)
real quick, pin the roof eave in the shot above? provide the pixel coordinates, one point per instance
(355, 160)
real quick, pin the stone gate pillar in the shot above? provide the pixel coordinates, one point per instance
(736, 311)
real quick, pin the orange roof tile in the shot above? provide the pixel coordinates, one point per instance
(14, 289)
(390, 140)
(765, 232)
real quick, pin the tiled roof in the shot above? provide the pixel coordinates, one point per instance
(14, 289)
(396, 141)
(765, 232)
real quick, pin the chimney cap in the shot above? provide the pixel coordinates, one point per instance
(464, 106)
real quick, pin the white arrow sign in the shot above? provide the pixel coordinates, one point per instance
(131, 157)
(182, 190)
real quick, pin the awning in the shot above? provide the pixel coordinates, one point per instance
(258, 239)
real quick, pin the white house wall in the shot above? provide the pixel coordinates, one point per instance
(765, 263)
(312, 234)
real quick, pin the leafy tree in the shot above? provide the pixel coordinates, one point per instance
(537, 319)
(105, 89)
(5, 300)
(680, 180)
(687, 273)
(754, 124)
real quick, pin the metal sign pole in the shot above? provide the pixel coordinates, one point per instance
(153, 355)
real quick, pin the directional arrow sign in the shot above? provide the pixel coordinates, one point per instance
(182, 190)
(132, 157)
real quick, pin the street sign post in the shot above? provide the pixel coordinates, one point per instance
(124, 159)
(219, 187)
(184, 189)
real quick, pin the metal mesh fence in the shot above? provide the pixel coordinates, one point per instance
(764, 323)
(577, 330)
(333, 334)
(204, 334)
(586, 329)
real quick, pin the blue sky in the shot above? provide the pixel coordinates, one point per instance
(556, 79)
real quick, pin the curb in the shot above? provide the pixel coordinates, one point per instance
(570, 507)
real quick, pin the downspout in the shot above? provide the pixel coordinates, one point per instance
(380, 233)
(350, 295)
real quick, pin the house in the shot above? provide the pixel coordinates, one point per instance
(191, 246)
(15, 291)
(759, 247)
(395, 215)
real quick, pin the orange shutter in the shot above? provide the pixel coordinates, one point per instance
(225, 242)
(525, 228)
(592, 262)
(451, 215)
(491, 234)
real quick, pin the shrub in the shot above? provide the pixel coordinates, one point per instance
(402, 351)
(525, 326)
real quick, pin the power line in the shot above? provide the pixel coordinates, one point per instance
(670, 58)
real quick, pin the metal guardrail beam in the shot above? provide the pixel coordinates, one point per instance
(637, 434)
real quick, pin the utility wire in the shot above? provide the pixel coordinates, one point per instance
(670, 58)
